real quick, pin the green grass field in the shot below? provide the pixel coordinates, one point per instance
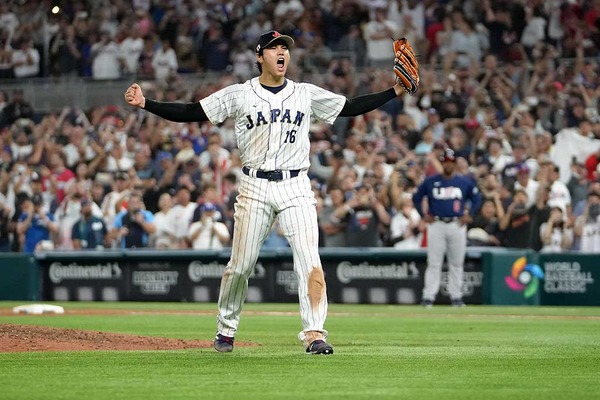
(381, 352)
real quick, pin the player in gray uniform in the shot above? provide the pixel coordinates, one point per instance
(452, 201)
(272, 120)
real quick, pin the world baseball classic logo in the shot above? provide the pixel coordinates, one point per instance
(524, 277)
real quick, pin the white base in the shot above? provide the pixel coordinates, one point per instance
(38, 309)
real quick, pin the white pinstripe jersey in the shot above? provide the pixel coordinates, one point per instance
(272, 129)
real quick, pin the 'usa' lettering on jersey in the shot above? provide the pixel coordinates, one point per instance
(447, 193)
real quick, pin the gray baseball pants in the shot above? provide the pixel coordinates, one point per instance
(448, 239)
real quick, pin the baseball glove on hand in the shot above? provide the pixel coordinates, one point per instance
(406, 66)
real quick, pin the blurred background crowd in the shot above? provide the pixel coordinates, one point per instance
(511, 86)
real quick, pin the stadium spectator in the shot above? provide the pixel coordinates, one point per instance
(352, 42)
(587, 225)
(210, 194)
(36, 226)
(464, 49)
(540, 212)
(79, 148)
(591, 164)
(559, 193)
(496, 154)
(133, 227)
(6, 51)
(182, 213)
(61, 176)
(208, 233)
(332, 227)
(97, 193)
(164, 61)
(556, 234)
(164, 237)
(146, 58)
(216, 49)
(484, 230)
(187, 59)
(524, 182)
(363, 216)
(215, 162)
(89, 231)
(516, 223)
(8, 20)
(65, 51)
(17, 108)
(26, 60)
(377, 33)
(117, 160)
(114, 201)
(578, 185)
(67, 213)
(406, 229)
(130, 50)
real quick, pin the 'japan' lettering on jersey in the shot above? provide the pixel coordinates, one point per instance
(272, 129)
(447, 197)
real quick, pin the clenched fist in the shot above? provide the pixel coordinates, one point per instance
(134, 96)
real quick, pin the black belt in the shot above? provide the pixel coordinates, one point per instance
(446, 220)
(276, 175)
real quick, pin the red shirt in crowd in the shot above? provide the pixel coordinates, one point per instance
(62, 178)
(591, 163)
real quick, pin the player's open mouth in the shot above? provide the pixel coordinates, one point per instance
(280, 63)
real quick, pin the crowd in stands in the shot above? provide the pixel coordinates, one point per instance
(511, 86)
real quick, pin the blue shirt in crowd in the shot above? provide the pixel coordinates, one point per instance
(37, 232)
(136, 237)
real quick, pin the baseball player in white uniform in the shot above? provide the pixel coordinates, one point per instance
(272, 117)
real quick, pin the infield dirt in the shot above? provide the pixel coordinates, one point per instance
(24, 338)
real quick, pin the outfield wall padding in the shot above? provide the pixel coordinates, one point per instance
(365, 276)
(360, 276)
(19, 277)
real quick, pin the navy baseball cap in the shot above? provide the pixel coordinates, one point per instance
(523, 168)
(207, 207)
(447, 155)
(267, 38)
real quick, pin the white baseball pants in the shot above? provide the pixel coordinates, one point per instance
(258, 204)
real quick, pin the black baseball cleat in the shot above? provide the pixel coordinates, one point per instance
(458, 303)
(427, 303)
(320, 347)
(223, 344)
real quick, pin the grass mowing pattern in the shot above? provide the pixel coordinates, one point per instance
(383, 352)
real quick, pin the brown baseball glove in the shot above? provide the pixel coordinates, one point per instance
(406, 66)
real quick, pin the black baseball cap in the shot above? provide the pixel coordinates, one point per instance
(447, 155)
(122, 176)
(37, 199)
(267, 38)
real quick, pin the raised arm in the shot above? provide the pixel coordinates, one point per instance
(172, 111)
(368, 102)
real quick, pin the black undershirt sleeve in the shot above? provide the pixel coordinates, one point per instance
(368, 102)
(177, 112)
